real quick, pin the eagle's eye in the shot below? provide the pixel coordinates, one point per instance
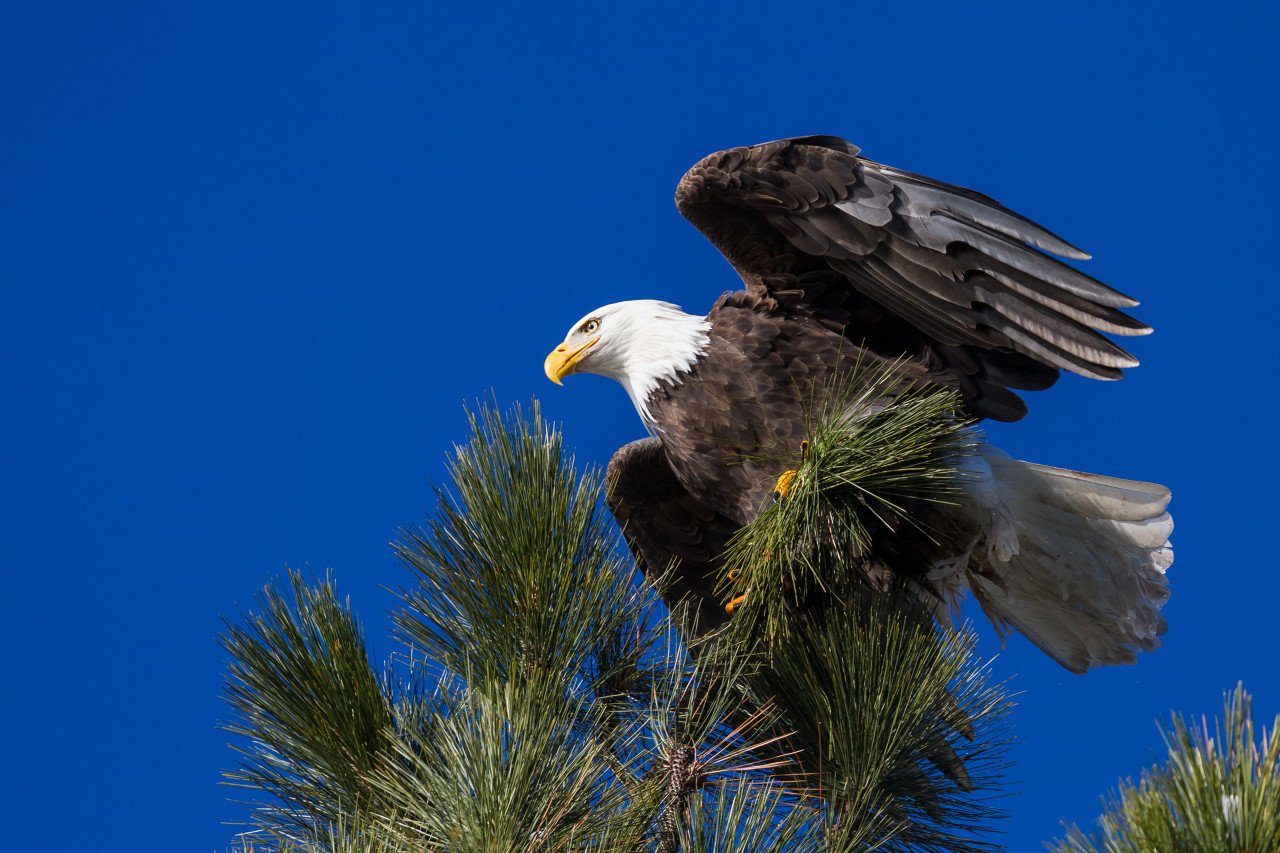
(590, 326)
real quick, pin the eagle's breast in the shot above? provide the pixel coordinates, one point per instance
(737, 418)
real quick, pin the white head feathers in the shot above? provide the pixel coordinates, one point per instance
(641, 343)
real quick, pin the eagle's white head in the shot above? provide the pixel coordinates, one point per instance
(640, 343)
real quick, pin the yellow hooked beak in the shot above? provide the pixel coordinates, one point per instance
(562, 360)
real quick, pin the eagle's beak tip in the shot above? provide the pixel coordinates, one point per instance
(555, 364)
(561, 362)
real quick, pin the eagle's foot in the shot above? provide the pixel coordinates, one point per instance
(786, 478)
(783, 485)
(735, 577)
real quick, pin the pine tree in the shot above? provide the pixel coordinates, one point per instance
(545, 699)
(1218, 790)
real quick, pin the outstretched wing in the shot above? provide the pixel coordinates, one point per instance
(676, 540)
(910, 263)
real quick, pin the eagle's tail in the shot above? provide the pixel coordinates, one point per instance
(1074, 561)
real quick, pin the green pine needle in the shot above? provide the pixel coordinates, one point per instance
(520, 566)
(312, 714)
(1219, 789)
(902, 734)
(504, 760)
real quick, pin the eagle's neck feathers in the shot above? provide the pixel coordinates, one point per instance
(651, 344)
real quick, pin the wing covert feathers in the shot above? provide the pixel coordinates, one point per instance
(960, 269)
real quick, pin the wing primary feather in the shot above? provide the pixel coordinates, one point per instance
(981, 209)
(1101, 317)
(1001, 311)
(918, 307)
(959, 264)
(1057, 330)
(1024, 341)
(1016, 370)
(953, 229)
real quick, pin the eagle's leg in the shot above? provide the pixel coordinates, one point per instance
(788, 476)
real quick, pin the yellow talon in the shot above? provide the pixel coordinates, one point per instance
(783, 485)
(735, 577)
(786, 478)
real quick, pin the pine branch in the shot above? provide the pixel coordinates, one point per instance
(519, 567)
(746, 815)
(502, 760)
(901, 738)
(703, 733)
(309, 706)
(1219, 789)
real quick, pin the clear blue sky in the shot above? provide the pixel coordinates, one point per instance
(254, 260)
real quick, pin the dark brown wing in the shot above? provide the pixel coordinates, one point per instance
(676, 540)
(908, 264)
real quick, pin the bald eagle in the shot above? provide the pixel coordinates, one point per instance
(841, 256)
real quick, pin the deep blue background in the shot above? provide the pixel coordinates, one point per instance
(254, 260)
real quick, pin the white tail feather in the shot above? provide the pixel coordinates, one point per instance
(1074, 561)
